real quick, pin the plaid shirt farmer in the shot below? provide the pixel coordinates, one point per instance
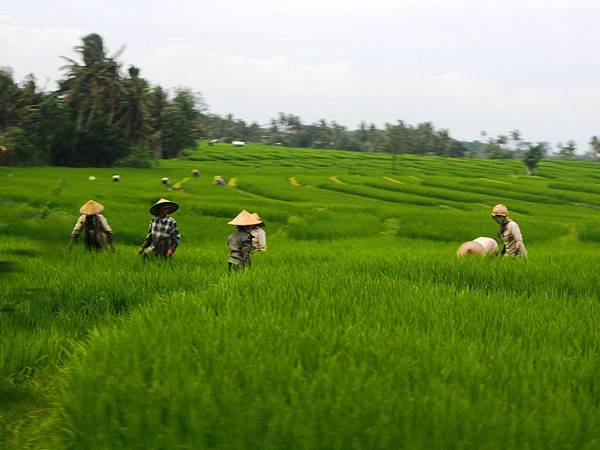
(162, 235)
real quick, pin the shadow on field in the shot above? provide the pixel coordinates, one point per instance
(12, 395)
(7, 266)
(23, 252)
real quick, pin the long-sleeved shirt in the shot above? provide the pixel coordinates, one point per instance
(240, 247)
(513, 240)
(259, 239)
(97, 231)
(80, 224)
(162, 229)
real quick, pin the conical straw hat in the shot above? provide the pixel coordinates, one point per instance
(257, 217)
(470, 248)
(244, 219)
(91, 208)
(162, 203)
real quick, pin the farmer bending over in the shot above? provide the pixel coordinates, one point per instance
(97, 231)
(163, 236)
(509, 232)
(259, 236)
(240, 242)
(480, 246)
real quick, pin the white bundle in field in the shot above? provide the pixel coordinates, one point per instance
(116, 178)
(238, 143)
(196, 172)
(165, 180)
(91, 178)
(213, 141)
(218, 180)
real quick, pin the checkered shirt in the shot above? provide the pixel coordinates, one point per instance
(160, 229)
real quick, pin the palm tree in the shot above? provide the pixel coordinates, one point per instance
(9, 98)
(157, 101)
(93, 85)
(595, 144)
(135, 115)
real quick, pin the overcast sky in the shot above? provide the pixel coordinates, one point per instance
(466, 65)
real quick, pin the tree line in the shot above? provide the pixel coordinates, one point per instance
(97, 116)
(101, 114)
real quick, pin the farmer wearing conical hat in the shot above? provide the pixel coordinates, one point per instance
(509, 232)
(240, 242)
(481, 246)
(97, 231)
(163, 236)
(259, 236)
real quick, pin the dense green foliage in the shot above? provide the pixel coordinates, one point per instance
(359, 328)
(97, 117)
(103, 115)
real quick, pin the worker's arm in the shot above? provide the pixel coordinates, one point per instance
(516, 233)
(108, 230)
(148, 241)
(175, 238)
(78, 227)
(262, 241)
(246, 250)
(104, 223)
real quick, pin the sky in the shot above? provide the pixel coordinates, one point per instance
(466, 65)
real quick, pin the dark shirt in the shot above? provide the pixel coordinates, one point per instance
(240, 246)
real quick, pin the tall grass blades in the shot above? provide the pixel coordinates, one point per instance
(358, 328)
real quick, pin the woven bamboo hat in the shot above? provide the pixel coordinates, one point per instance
(470, 248)
(500, 210)
(244, 219)
(163, 202)
(91, 207)
(257, 217)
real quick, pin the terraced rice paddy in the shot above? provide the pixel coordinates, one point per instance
(359, 328)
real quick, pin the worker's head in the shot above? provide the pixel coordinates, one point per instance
(91, 208)
(244, 221)
(164, 211)
(163, 208)
(259, 220)
(500, 213)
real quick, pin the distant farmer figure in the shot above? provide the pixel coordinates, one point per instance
(96, 229)
(480, 246)
(509, 232)
(259, 237)
(163, 236)
(240, 242)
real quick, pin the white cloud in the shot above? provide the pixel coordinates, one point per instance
(34, 49)
(465, 65)
(256, 89)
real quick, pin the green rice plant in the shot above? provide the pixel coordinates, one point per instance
(589, 232)
(580, 187)
(428, 192)
(358, 328)
(321, 223)
(220, 370)
(375, 194)
(268, 189)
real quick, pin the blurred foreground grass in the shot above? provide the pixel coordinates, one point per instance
(357, 329)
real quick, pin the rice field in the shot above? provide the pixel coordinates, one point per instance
(359, 328)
